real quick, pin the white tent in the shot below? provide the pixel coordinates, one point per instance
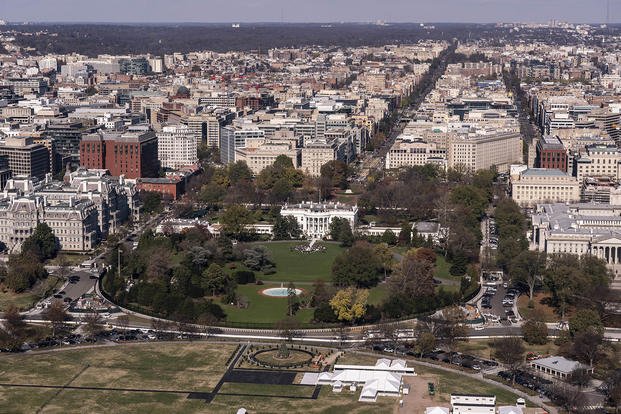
(437, 410)
(509, 409)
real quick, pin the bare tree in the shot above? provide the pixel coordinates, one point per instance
(13, 321)
(56, 314)
(510, 351)
(123, 321)
(92, 323)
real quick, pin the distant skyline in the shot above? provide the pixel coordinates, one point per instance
(215, 11)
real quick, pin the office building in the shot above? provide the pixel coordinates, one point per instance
(551, 153)
(540, 185)
(131, 154)
(232, 138)
(25, 157)
(408, 151)
(482, 151)
(176, 146)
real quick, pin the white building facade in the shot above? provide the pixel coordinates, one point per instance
(315, 218)
(176, 146)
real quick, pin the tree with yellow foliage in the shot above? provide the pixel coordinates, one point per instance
(349, 304)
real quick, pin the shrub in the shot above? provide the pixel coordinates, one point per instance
(244, 277)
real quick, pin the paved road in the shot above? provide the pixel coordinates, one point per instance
(71, 290)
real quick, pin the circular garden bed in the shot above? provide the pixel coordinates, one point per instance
(277, 357)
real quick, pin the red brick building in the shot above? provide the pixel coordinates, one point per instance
(169, 188)
(132, 154)
(551, 153)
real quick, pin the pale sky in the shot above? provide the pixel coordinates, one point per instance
(123, 11)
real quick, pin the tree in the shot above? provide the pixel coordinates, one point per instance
(510, 351)
(292, 299)
(287, 328)
(41, 243)
(151, 202)
(321, 293)
(585, 320)
(389, 237)
(123, 320)
(587, 345)
(215, 279)
(14, 322)
(358, 266)
(340, 230)
(92, 323)
(335, 172)
(349, 304)
(235, 219)
(239, 171)
(451, 326)
(580, 377)
(23, 272)
(64, 266)
(426, 342)
(56, 314)
(414, 277)
(405, 235)
(426, 255)
(385, 256)
(535, 331)
(286, 228)
(526, 268)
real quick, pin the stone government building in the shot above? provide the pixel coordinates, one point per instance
(82, 210)
(582, 228)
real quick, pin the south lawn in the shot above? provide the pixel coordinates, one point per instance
(293, 266)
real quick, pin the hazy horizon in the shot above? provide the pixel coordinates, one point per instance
(302, 11)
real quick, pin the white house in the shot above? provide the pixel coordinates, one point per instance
(384, 378)
(473, 404)
(315, 218)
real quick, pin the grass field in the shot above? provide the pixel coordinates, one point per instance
(484, 348)
(548, 312)
(449, 382)
(301, 267)
(179, 366)
(27, 299)
(185, 367)
(327, 403)
(262, 309)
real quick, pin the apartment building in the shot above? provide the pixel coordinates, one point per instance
(317, 152)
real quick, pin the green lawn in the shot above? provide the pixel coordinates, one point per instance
(442, 269)
(292, 266)
(27, 299)
(378, 294)
(263, 309)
